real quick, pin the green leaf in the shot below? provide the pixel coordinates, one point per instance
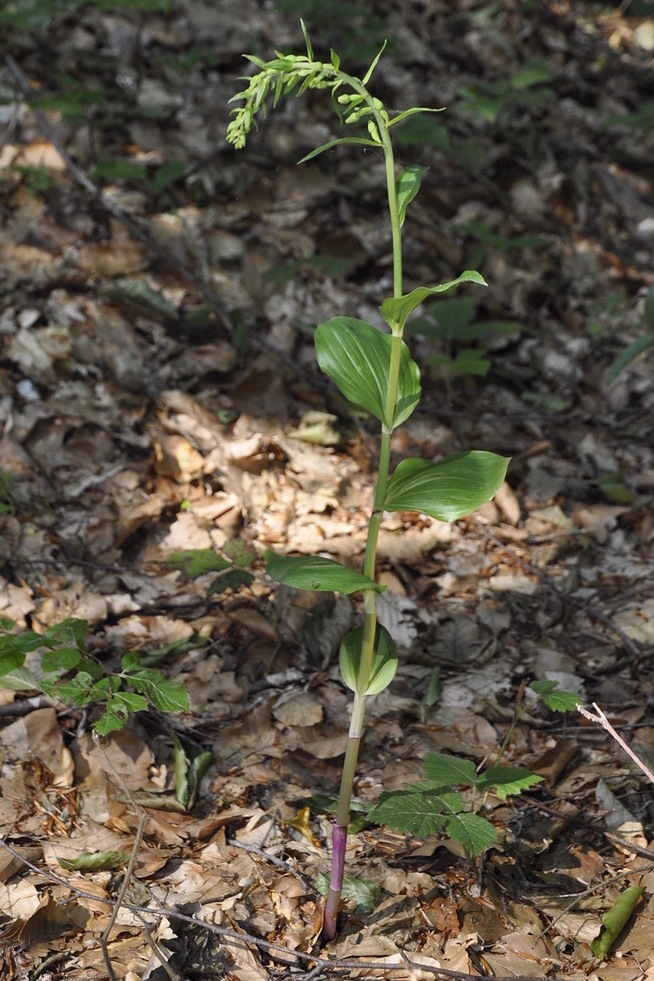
(363, 892)
(360, 140)
(417, 813)
(165, 695)
(384, 662)
(413, 111)
(434, 688)
(10, 660)
(366, 78)
(109, 722)
(628, 355)
(357, 357)
(407, 186)
(449, 770)
(194, 562)
(531, 73)
(20, 679)
(470, 361)
(507, 780)
(140, 295)
(475, 833)
(555, 699)
(317, 573)
(649, 306)
(69, 631)
(615, 920)
(422, 131)
(95, 861)
(61, 659)
(447, 490)
(395, 310)
(167, 174)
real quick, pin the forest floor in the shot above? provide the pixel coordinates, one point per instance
(157, 382)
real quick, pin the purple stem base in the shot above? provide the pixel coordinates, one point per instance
(339, 841)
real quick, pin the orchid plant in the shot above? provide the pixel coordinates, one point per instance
(374, 370)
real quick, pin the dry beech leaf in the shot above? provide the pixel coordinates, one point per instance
(298, 709)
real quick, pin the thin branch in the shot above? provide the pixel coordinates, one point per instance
(241, 939)
(602, 720)
(127, 878)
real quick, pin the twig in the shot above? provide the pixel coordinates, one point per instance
(242, 939)
(280, 863)
(602, 720)
(127, 878)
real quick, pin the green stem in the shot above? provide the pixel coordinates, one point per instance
(369, 597)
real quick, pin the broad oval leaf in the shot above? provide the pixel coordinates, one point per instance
(317, 573)
(395, 310)
(447, 490)
(357, 357)
(384, 662)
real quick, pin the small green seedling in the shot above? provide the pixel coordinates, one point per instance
(65, 671)
(374, 370)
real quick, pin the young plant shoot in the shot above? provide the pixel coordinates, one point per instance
(374, 371)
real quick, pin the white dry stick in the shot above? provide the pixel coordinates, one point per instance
(602, 720)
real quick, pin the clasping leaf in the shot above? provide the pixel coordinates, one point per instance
(384, 662)
(357, 357)
(407, 186)
(317, 573)
(395, 310)
(447, 490)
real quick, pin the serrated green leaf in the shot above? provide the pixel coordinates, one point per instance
(407, 186)
(165, 695)
(95, 861)
(557, 700)
(70, 631)
(357, 357)
(10, 660)
(507, 780)
(615, 920)
(395, 310)
(317, 573)
(363, 892)
(475, 833)
(20, 679)
(416, 813)
(129, 702)
(449, 770)
(109, 722)
(60, 659)
(447, 490)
